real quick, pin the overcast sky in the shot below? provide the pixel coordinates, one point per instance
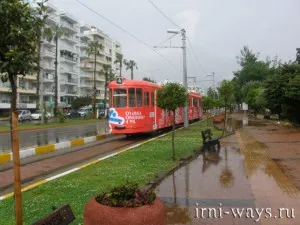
(217, 30)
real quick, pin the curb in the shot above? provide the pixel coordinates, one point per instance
(44, 149)
(38, 183)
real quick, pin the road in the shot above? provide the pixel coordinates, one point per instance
(45, 136)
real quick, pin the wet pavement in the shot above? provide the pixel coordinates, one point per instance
(33, 138)
(240, 184)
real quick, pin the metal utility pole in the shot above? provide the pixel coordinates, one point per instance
(185, 109)
(183, 36)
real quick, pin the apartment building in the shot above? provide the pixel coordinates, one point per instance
(75, 68)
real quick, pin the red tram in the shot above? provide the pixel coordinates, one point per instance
(133, 108)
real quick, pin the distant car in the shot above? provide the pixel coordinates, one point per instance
(24, 115)
(73, 113)
(82, 113)
(38, 115)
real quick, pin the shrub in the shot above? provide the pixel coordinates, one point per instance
(127, 195)
(61, 117)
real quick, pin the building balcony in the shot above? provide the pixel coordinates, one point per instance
(27, 90)
(97, 79)
(52, 19)
(85, 85)
(70, 39)
(49, 91)
(71, 82)
(69, 71)
(71, 93)
(28, 77)
(70, 27)
(85, 75)
(48, 54)
(69, 17)
(67, 48)
(47, 43)
(48, 67)
(68, 60)
(83, 55)
(49, 78)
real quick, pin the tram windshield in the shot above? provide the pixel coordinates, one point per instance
(120, 97)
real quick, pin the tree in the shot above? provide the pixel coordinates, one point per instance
(94, 48)
(226, 95)
(106, 71)
(18, 56)
(149, 79)
(170, 97)
(55, 32)
(211, 93)
(255, 99)
(119, 60)
(79, 102)
(130, 65)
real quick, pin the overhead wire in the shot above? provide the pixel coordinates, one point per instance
(196, 56)
(125, 31)
(164, 15)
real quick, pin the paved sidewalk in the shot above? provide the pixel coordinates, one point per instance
(241, 176)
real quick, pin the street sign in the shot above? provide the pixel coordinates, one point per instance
(119, 80)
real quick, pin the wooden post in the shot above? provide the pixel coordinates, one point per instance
(17, 174)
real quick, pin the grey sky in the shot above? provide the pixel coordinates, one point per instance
(217, 29)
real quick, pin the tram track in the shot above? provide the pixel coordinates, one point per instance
(44, 168)
(49, 166)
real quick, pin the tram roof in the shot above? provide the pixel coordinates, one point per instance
(141, 83)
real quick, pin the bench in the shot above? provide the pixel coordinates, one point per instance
(209, 140)
(61, 216)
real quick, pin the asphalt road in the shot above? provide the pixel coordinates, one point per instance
(45, 136)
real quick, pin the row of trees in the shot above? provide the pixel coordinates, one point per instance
(265, 85)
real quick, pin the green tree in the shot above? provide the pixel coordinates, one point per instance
(82, 101)
(55, 32)
(255, 99)
(211, 93)
(148, 79)
(249, 86)
(106, 71)
(170, 97)
(18, 42)
(94, 48)
(226, 95)
(130, 65)
(119, 60)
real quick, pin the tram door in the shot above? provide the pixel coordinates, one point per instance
(149, 113)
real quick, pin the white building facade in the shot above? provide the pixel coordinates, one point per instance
(74, 69)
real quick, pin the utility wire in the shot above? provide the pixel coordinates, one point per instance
(196, 56)
(192, 61)
(166, 40)
(125, 31)
(164, 15)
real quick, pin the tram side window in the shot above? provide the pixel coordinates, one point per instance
(131, 93)
(152, 98)
(146, 99)
(120, 97)
(195, 104)
(139, 97)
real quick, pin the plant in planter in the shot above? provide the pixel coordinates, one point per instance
(125, 205)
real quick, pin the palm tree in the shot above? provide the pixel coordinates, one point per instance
(55, 32)
(94, 48)
(106, 71)
(130, 65)
(119, 60)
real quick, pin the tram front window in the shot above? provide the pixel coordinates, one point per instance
(120, 98)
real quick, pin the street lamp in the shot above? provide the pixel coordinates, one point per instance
(183, 35)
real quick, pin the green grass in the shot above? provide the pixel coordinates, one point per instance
(25, 126)
(139, 165)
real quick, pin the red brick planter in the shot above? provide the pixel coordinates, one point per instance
(98, 214)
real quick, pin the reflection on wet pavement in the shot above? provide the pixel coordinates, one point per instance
(208, 181)
(33, 138)
(239, 176)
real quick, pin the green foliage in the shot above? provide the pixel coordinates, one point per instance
(61, 117)
(211, 93)
(255, 99)
(45, 116)
(127, 195)
(171, 96)
(119, 60)
(209, 102)
(79, 102)
(249, 86)
(19, 40)
(130, 65)
(226, 92)
(148, 79)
